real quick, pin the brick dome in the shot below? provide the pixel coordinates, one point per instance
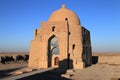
(62, 14)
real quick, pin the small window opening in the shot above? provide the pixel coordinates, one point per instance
(73, 46)
(53, 28)
(69, 33)
(35, 32)
(66, 19)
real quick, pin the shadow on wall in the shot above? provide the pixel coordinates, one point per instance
(66, 64)
(95, 59)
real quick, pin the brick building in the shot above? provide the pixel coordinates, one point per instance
(61, 42)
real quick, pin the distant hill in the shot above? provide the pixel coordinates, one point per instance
(12, 53)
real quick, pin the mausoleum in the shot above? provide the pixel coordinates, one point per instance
(61, 42)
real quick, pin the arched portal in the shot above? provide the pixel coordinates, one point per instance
(56, 61)
(53, 48)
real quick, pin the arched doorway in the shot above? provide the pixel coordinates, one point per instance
(56, 61)
(53, 48)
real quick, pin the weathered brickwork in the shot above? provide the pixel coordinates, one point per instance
(61, 42)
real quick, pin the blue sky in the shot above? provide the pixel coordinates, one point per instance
(19, 18)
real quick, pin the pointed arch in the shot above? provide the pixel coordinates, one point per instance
(53, 48)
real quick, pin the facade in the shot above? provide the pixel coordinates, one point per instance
(61, 42)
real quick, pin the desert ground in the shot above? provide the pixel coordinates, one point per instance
(7, 70)
(98, 71)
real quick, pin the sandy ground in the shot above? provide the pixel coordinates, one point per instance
(7, 70)
(98, 72)
(95, 72)
(49, 75)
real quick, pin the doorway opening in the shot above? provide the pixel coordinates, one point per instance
(56, 61)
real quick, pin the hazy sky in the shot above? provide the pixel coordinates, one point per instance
(19, 18)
